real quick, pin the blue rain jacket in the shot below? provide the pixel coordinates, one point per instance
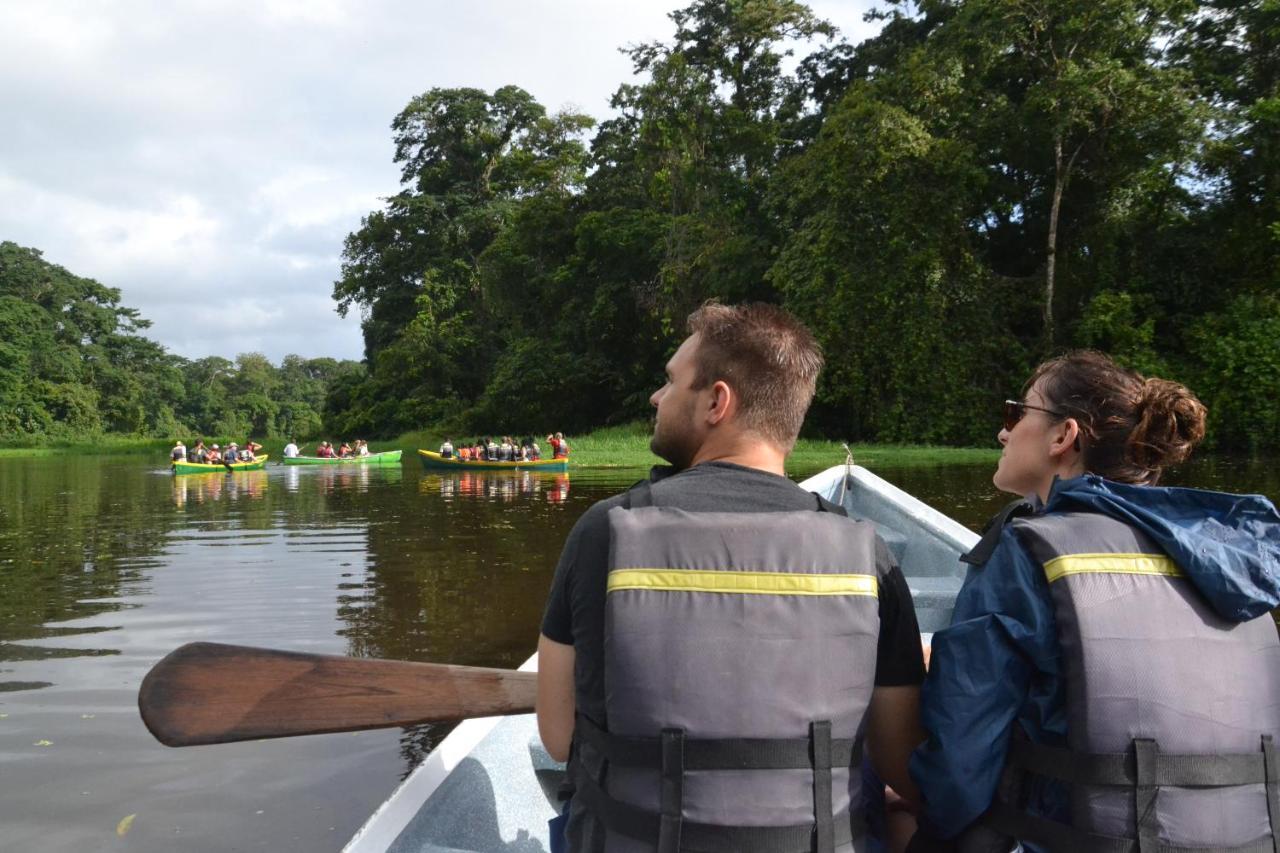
(998, 662)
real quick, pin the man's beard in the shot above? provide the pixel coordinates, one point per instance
(672, 445)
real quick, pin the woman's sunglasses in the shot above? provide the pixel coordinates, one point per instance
(1015, 411)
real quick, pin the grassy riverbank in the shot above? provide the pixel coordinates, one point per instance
(105, 445)
(627, 446)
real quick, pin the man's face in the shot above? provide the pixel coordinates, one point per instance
(676, 433)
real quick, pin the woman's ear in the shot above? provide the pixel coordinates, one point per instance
(1067, 438)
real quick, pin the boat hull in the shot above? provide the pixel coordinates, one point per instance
(387, 457)
(235, 467)
(433, 461)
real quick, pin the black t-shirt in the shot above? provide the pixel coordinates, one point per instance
(575, 607)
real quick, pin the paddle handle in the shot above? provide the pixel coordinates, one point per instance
(205, 693)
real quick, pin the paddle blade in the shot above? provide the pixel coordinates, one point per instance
(204, 693)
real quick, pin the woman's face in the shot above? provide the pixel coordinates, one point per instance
(1027, 466)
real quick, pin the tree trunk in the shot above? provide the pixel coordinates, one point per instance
(1051, 247)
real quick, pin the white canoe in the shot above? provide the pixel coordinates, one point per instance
(490, 786)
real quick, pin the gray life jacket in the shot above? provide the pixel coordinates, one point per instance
(739, 660)
(1171, 709)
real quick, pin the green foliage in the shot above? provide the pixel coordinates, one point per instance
(1238, 370)
(73, 364)
(981, 184)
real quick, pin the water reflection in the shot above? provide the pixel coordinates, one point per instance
(198, 488)
(106, 566)
(331, 478)
(496, 485)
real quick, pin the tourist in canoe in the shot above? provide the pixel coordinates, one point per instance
(197, 452)
(214, 456)
(179, 452)
(446, 449)
(535, 452)
(1105, 624)
(344, 452)
(775, 626)
(291, 449)
(492, 452)
(362, 447)
(231, 453)
(561, 447)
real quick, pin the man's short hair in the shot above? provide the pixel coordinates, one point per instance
(769, 359)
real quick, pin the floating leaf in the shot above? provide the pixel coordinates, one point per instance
(123, 827)
(43, 743)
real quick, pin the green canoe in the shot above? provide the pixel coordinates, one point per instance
(202, 468)
(434, 461)
(387, 457)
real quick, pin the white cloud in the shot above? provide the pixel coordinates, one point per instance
(203, 151)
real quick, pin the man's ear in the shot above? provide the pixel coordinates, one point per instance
(723, 402)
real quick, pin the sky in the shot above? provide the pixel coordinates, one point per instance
(208, 157)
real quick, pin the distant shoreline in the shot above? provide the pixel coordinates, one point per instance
(611, 447)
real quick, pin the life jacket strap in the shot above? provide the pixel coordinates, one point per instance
(672, 791)
(1145, 770)
(642, 824)
(1120, 769)
(1272, 773)
(1060, 838)
(1146, 819)
(717, 754)
(820, 755)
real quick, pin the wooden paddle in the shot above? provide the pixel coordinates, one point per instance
(204, 693)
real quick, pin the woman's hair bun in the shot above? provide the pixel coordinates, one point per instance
(1170, 423)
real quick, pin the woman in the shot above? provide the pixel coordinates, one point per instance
(1105, 621)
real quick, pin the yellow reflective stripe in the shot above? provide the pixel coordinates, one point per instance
(1111, 564)
(746, 583)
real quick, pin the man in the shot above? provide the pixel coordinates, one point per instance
(291, 449)
(690, 663)
(197, 453)
(446, 449)
(179, 452)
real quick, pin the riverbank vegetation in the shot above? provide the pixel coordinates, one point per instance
(77, 370)
(980, 185)
(627, 446)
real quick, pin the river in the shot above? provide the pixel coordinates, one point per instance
(108, 564)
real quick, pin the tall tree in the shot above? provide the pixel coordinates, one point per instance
(1072, 94)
